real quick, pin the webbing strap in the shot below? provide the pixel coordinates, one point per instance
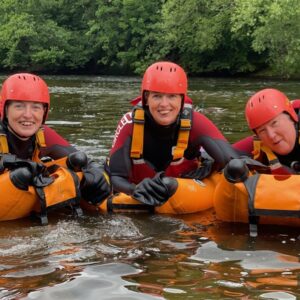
(183, 139)
(137, 143)
(256, 147)
(138, 134)
(3, 144)
(40, 138)
(40, 142)
(272, 158)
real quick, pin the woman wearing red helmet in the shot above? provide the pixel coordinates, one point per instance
(163, 136)
(269, 193)
(273, 119)
(25, 139)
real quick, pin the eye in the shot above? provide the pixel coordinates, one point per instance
(37, 106)
(261, 131)
(156, 96)
(18, 105)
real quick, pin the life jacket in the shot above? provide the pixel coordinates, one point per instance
(259, 150)
(63, 188)
(179, 164)
(39, 143)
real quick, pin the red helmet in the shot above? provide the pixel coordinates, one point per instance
(164, 77)
(266, 105)
(24, 87)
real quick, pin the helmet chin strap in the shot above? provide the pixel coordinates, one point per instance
(23, 138)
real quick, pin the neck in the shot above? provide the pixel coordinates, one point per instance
(22, 138)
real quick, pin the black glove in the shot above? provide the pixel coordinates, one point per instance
(155, 191)
(256, 165)
(237, 170)
(25, 172)
(204, 170)
(95, 186)
(76, 161)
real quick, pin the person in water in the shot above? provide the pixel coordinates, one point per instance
(163, 137)
(24, 108)
(275, 123)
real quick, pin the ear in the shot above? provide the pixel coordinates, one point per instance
(145, 98)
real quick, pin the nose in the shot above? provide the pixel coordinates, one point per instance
(164, 100)
(271, 133)
(27, 111)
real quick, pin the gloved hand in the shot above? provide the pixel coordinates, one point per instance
(155, 191)
(95, 186)
(25, 172)
(76, 161)
(253, 164)
(237, 169)
(204, 170)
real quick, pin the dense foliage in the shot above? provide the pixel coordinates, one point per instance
(124, 36)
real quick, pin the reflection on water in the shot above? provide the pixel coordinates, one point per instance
(145, 256)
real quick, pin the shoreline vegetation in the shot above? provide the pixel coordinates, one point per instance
(208, 38)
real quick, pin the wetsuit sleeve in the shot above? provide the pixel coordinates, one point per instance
(56, 146)
(205, 134)
(120, 164)
(245, 146)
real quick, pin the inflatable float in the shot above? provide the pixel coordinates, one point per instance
(251, 197)
(191, 196)
(19, 198)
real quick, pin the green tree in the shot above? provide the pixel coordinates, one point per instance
(43, 35)
(198, 35)
(124, 32)
(274, 30)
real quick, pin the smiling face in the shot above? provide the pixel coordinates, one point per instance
(164, 108)
(279, 134)
(24, 117)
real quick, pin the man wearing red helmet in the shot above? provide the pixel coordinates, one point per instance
(163, 136)
(24, 107)
(273, 119)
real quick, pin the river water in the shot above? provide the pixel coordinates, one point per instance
(131, 256)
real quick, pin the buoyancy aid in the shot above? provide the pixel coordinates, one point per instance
(39, 143)
(63, 190)
(179, 163)
(259, 150)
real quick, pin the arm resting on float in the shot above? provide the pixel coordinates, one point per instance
(221, 151)
(122, 185)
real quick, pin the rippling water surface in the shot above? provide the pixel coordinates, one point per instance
(145, 256)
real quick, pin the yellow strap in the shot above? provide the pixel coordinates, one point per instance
(256, 147)
(40, 138)
(40, 142)
(138, 134)
(183, 139)
(3, 144)
(259, 147)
